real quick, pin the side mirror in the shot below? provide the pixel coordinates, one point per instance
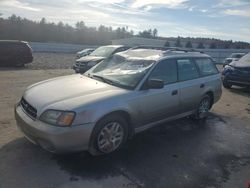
(154, 84)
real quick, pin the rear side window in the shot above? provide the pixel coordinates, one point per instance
(187, 70)
(206, 66)
(165, 70)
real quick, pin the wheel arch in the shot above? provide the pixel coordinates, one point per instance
(211, 95)
(122, 113)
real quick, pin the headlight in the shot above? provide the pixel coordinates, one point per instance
(57, 117)
(227, 69)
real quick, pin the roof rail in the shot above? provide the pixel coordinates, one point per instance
(166, 48)
(186, 50)
(148, 47)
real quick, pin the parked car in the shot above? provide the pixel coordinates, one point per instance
(237, 73)
(15, 53)
(84, 52)
(124, 95)
(233, 57)
(85, 63)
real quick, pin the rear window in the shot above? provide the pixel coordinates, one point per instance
(206, 66)
(12, 45)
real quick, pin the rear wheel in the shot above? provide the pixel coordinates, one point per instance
(110, 134)
(204, 107)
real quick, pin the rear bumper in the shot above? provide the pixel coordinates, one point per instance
(52, 138)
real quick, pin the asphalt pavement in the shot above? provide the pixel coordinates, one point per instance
(179, 154)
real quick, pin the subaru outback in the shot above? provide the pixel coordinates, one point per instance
(124, 95)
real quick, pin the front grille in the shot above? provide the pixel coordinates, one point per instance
(30, 110)
(79, 64)
(242, 71)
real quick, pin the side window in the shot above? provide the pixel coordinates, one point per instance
(120, 50)
(206, 66)
(187, 70)
(165, 70)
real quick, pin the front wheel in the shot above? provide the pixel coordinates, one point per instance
(227, 85)
(110, 133)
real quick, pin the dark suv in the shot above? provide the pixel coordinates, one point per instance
(237, 73)
(15, 53)
(85, 63)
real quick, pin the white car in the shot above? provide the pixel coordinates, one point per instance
(84, 52)
(233, 57)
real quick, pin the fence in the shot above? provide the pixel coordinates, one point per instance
(58, 47)
(218, 54)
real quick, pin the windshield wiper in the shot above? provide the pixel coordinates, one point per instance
(111, 82)
(103, 79)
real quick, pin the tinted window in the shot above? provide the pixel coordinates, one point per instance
(187, 69)
(103, 51)
(121, 49)
(206, 66)
(165, 70)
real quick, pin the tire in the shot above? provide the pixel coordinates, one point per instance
(110, 134)
(203, 108)
(226, 85)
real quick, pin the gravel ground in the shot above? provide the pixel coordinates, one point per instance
(44, 61)
(51, 61)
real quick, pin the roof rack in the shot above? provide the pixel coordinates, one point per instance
(166, 48)
(149, 47)
(185, 50)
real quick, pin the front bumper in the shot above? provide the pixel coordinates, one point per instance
(80, 68)
(236, 80)
(52, 138)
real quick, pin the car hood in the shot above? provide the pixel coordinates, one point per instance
(240, 64)
(90, 58)
(65, 93)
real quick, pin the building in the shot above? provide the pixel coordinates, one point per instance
(136, 41)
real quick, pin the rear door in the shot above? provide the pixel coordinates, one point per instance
(190, 84)
(210, 76)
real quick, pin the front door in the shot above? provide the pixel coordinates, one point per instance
(158, 104)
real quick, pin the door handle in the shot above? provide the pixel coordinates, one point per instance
(202, 85)
(175, 92)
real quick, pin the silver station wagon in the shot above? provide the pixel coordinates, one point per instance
(125, 94)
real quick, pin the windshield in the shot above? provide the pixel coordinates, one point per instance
(103, 51)
(121, 71)
(245, 59)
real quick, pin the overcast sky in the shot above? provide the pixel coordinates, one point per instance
(224, 19)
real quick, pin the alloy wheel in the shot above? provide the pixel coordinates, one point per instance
(110, 137)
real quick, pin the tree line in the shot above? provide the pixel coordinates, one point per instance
(17, 28)
(211, 43)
